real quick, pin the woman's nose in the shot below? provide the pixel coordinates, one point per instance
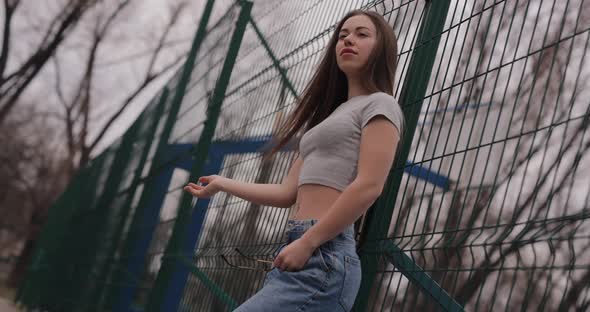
(347, 41)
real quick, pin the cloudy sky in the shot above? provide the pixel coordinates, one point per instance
(121, 60)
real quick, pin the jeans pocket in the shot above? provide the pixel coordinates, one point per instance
(269, 276)
(324, 257)
(351, 282)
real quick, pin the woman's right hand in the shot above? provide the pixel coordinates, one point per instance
(213, 186)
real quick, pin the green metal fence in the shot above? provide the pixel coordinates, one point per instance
(486, 207)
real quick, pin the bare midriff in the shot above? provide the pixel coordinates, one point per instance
(313, 201)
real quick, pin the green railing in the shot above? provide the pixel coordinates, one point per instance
(486, 207)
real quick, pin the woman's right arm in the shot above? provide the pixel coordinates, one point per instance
(281, 195)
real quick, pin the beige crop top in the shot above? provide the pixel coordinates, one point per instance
(330, 150)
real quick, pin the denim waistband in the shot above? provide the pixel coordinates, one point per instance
(296, 228)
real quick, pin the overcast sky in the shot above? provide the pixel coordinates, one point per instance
(121, 61)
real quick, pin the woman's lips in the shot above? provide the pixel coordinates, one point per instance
(347, 51)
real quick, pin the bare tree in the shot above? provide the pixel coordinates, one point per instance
(32, 176)
(77, 109)
(12, 84)
(45, 171)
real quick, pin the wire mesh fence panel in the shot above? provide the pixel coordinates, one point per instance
(272, 67)
(486, 207)
(503, 121)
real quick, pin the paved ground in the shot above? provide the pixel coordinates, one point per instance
(7, 306)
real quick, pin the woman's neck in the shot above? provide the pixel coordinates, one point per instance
(355, 88)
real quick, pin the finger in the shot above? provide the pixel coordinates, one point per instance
(204, 179)
(195, 187)
(192, 190)
(278, 263)
(188, 189)
(284, 266)
(193, 184)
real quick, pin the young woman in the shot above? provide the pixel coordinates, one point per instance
(352, 127)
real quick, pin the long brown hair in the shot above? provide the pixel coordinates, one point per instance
(328, 87)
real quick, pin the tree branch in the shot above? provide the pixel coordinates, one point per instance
(9, 8)
(149, 77)
(82, 99)
(175, 13)
(470, 287)
(12, 87)
(128, 101)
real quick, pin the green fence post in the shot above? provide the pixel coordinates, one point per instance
(103, 271)
(75, 251)
(54, 225)
(166, 132)
(49, 288)
(96, 239)
(175, 244)
(411, 98)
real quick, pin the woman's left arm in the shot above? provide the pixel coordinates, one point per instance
(379, 139)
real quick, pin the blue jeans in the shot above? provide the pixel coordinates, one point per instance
(329, 281)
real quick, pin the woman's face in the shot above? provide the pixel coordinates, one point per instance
(356, 40)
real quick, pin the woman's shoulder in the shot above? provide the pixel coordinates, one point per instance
(385, 104)
(382, 100)
(382, 96)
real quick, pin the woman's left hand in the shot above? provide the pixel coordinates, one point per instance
(294, 256)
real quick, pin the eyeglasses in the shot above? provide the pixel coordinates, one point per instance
(266, 268)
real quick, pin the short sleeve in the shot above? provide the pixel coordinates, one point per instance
(385, 105)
